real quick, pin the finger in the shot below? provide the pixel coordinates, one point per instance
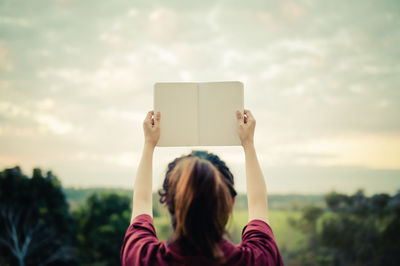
(157, 119)
(148, 120)
(239, 115)
(149, 115)
(249, 114)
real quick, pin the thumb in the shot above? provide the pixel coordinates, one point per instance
(239, 117)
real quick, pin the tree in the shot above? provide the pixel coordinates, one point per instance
(35, 224)
(354, 230)
(102, 223)
(312, 253)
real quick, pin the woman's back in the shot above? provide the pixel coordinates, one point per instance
(198, 191)
(142, 247)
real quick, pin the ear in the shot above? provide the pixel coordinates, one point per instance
(163, 199)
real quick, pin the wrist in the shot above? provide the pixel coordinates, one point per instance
(149, 145)
(248, 144)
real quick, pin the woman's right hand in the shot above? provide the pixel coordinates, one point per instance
(246, 126)
(151, 128)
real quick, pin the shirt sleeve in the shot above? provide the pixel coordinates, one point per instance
(259, 242)
(140, 241)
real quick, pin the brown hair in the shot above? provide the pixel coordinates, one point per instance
(198, 191)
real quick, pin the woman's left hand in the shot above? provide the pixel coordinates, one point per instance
(151, 128)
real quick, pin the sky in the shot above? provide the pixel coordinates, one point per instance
(322, 79)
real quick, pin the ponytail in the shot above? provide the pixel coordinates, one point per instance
(200, 202)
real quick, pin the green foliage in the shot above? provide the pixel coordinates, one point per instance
(35, 212)
(78, 196)
(101, 225)
(352, 230)
(310, 230)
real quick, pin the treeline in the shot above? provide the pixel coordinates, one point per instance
(350, 230)
(77, 197)
(39, 227)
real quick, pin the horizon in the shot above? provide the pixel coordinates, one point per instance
(239, 193)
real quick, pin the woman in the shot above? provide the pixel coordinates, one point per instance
(198, 191)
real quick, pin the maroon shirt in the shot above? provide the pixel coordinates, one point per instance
(142, 247)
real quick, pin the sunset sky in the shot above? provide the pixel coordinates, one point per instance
(322, 79)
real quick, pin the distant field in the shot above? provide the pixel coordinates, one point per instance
(77, 197)
(282, 207)
(286, 236)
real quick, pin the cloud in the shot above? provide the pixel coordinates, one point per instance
(369, 151)
(5, 62)
(115, 113)
(72, 75)
(163, 24)
(48, 122)
(46, 104)
(321, 78)
(15, 22)
(11, 110)
(292, 10)
(125, 159)
(40, 117)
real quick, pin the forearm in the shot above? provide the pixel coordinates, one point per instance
(256, 188)
(142, 190)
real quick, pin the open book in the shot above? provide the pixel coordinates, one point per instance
(198, 114)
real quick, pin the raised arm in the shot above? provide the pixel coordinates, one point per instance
(256, 188)
(142, 190)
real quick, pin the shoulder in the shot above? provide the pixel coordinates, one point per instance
(257, 228)
(140, 241)
(142, 225)
(258, 243)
